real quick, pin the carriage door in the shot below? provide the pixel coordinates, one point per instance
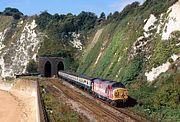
(108, 92)
(92, 85)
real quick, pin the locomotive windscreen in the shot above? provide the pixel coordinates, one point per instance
(118, 85)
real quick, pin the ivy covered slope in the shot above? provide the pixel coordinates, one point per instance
(140, 47)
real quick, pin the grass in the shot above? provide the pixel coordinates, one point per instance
(57, 110)
(105, 61)
(116, 64)
(157, 98)
(5, 22)
(87, 62)
(161, 99)
(163, 50)
(117, 46)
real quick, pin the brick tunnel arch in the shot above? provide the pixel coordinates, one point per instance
(49, 66)
(47, 69)
(60, 66)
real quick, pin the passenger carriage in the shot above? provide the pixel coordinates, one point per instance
(111, 91)
(81, 81)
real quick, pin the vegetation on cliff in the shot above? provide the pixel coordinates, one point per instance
(12, 12)
(125, 51)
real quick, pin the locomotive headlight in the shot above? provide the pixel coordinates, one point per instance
(125, 93)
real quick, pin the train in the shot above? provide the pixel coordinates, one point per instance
(113, 92)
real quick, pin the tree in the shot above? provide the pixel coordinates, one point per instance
(43, 19)
(56, 16)
(86, 20)
(16, 16)
(109, 17)
(115, 15)
(129, 8)
(102, 16)
(31, 67)
(12, 12)
(132, 70)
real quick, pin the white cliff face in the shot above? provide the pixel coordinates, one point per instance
(150, 22)
(2, 36)
(173, 23)
(163, 26)
(141, 44)
(1, 40)
(15, 56)
(76, 42)
(155, 72)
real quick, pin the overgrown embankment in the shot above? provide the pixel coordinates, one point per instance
(140, 47)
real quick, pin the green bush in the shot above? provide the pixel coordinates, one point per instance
(164, 49)
(12, 12)
(32, 67)
(133, 69)
(157, 6)
(160, 100)
(168, 96)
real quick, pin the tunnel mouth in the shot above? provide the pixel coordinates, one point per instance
(60, 66)
(47, 69)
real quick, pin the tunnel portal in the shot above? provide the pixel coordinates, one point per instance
(47, 69)
(49, 66)
(60, 66)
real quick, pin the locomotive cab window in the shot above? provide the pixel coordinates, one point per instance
(118, 85)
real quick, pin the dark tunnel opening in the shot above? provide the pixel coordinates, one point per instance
(60, 66)
(47, 70)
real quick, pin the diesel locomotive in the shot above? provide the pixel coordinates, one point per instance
(111, 91)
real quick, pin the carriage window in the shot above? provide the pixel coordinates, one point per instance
(118, 85)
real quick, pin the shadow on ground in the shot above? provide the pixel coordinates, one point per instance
(131, 102)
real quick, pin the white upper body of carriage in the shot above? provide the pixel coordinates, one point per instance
(83, 81)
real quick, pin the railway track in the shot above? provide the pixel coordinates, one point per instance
(42, 110)
(100, 109)
(130, 113)
(89, 104)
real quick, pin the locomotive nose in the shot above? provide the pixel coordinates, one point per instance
(120, 94)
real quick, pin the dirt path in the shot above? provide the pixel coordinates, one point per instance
(9, 107)
(95, 39)
(18, 103)
(28, 106)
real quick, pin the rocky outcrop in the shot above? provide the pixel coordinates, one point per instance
(22, 47)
